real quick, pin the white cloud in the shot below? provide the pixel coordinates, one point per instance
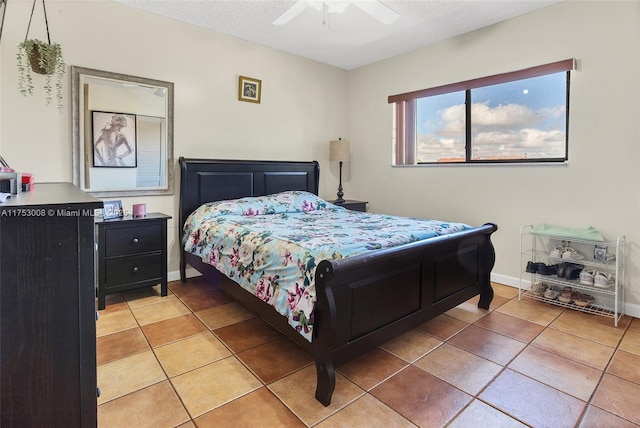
(503, 116)
(453, 120)
(505, 130)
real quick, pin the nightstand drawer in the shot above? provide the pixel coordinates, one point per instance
(133, 240)
(354, 205)
(126, 270)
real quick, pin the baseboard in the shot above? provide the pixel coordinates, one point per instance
(505, 280)
(175, 275)
(629, 309)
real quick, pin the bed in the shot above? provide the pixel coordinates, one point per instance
(361, 301)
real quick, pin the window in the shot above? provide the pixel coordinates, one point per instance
(520, 116)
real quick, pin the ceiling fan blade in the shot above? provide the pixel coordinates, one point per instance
(378, 10)
(291, 13)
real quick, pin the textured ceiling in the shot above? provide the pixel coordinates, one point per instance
(349, 39)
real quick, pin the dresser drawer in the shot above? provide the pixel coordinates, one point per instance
(129, 270)
(133, 240)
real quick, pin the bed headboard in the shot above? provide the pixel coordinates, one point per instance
(208, 180)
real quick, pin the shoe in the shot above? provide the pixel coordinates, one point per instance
(603, 280)
(565, 268)
(575, 296)
(586, 277)
(573, 272)
(552, 292)
(548, 270)
(571, 254)
(561, 268)
(533, 267)
(584, 300)
(565, 295)
(538, 288)
(557, 252)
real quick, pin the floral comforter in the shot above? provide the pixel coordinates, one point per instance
(271, 245)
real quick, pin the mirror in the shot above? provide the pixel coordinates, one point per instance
(3, 7)
(122, 134)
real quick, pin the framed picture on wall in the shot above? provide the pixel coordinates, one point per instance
(249, 89)
(114, 139)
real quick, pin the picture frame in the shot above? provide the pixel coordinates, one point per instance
(249, 89)
(114, 139)
(112, 209)
(600, 252)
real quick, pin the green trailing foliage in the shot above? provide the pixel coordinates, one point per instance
(45, 59)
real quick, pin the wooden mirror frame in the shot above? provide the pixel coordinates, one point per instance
(3, 8)
(78, 140)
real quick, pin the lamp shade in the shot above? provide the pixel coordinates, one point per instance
(339, 151)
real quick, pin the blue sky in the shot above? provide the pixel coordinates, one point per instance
(521, 118)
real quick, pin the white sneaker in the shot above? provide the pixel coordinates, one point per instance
(586, 277)
(603, 280)
(571, 254)
(557, 252)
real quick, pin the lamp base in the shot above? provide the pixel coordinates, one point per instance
(340, 193)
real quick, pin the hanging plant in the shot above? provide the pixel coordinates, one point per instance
(43, 58)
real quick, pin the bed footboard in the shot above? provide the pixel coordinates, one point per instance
(366, 300)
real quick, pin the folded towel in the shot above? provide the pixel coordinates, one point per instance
(588, 234)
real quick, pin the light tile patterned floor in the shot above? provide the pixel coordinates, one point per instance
(197, 358)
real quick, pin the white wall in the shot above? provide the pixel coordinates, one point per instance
(600, 185)
(303, 102)
(306, 104)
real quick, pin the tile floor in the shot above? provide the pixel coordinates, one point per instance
(197, 358)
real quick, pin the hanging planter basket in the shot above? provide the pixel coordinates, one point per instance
(44, 58)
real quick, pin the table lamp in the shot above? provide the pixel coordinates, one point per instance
(339, 152)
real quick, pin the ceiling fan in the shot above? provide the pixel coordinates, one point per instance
(375, 8)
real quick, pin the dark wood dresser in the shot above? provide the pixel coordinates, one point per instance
(47, 308)
(132, 253)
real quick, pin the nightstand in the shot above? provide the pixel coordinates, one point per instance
(132, 253)
(354, 205)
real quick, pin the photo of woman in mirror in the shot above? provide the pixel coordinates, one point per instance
(114, 140)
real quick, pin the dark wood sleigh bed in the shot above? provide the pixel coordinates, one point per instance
(361, 301)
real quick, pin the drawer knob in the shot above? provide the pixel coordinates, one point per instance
(135, 240)
(135, 269)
